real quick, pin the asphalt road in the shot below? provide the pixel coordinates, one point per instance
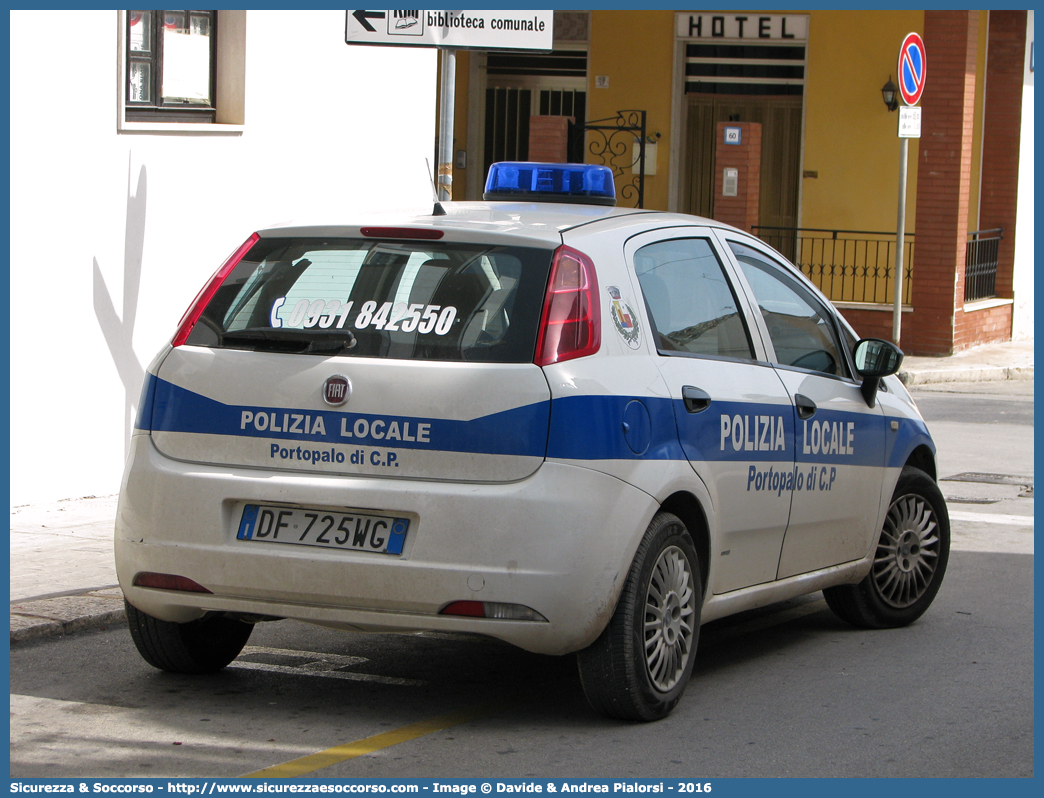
(784, 691)
(984, 433)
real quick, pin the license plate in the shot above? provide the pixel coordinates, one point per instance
(332, 530)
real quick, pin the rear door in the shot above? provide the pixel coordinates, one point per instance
(840, 440)
(735, 419)
(354, 355)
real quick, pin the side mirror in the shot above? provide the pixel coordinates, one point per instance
(875, 359)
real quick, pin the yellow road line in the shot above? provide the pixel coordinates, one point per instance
(341, 753)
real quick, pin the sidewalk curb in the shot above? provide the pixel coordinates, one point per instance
(95, 609)
(966, 374)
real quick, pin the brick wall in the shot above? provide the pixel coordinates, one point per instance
(742, 210)
(1000, 170)
(549, 138)
(872, 323)
(982, 327)
(943, 181)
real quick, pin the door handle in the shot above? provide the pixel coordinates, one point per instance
(806, 408)
(696, 400)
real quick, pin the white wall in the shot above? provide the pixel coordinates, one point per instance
(113, 234)
(1022, 323)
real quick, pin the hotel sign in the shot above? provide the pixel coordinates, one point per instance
(743, 26)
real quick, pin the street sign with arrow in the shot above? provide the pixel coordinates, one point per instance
(456, 30)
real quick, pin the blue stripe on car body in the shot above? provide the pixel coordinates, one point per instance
(580, 428)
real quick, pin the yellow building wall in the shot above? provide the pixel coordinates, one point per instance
(635, 51)
(850, 138)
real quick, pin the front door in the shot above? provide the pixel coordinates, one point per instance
(780, 120)
(518, 85)
(840, 440)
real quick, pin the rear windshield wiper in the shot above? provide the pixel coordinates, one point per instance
(309, 342)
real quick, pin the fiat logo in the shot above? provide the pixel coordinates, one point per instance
(336, 390)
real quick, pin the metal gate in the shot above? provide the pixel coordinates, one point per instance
(520, 85)
(507, 119)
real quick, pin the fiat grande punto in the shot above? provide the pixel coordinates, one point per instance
(578, 428)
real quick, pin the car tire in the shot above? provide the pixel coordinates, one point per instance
(638, 668)
(909, 563)
(202, 646)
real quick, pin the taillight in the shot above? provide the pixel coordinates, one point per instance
(571, 323)
(195, 310)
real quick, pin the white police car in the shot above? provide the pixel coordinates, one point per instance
(569, 426)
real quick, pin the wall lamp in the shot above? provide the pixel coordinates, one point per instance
(890, 92)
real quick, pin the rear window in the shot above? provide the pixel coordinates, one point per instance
(372, 298)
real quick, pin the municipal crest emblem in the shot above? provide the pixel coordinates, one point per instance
(624, 318)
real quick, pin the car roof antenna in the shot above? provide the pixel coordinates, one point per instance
(438, 210)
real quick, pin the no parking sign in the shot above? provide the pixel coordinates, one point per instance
(913, 64)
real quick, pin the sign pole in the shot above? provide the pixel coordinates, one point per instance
(900, 236)
(450, 31)
(912, 69)
(447, 89)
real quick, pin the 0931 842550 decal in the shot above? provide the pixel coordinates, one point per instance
(422, 318)
(399, 316)
(310, 313)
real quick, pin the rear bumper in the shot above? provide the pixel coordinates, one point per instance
(560, 542)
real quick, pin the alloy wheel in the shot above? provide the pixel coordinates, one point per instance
(670, 606)
(907, 553)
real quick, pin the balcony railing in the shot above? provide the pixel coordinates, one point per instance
(846, 265)
(980, 271)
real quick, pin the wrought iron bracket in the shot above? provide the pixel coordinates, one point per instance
(612, 142)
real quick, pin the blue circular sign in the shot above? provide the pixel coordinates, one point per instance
(913, 64)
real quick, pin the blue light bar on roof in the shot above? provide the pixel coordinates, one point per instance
(583, 183)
